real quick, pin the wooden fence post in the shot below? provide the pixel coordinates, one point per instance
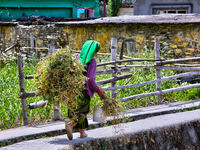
(158, 76)
(56, 113)
(51, 49)
(22, 89)
(113, 58)
(32, 48)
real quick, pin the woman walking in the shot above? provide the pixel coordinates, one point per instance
(86, 57)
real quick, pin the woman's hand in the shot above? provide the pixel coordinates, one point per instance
(101, 93)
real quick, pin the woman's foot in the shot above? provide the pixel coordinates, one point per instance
(82, 133)
(68, 127)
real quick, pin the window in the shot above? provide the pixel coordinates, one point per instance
(170, 8)
(85, 12)
(181, 11)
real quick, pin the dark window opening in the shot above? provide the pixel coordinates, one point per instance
(181, 8)
(171, 12)
(182, 12)
(161, 11)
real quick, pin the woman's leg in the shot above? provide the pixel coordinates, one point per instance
(69, 128)
(82, 133)
(79, 116)
(81, 125)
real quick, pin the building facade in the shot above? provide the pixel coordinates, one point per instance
(15, 9)
(152, 7)
(126, 8)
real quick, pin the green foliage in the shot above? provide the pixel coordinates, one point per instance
(10, 104)
(60, 79)
(109, 9)
(113, 7)
(192, 94)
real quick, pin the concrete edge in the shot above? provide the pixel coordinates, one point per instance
(123, 119)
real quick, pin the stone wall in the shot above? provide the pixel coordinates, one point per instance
(181, 137)
(176, 40)
(181, 40)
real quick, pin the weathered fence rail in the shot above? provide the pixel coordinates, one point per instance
(159, 92)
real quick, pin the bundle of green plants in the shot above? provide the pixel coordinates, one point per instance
(59, 78)
(111, 106)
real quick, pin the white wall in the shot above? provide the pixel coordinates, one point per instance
(125, 11)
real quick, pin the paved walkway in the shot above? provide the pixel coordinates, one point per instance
(57, 128)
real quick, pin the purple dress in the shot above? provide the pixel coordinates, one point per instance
(91, 72)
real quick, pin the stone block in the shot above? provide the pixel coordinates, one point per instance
(178, 52)
(190, 49)
(165, 44)
(173, 46)
(180, 46)
(166, 48)
(170, 52)
(188, 56)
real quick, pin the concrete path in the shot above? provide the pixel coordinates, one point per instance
(57, 128)
(152, 123)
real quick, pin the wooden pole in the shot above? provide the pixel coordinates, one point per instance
(129, 66)
(113, 58)
(51, 49)
(22, 89)
(56, 114)
(32, 48)
(113, 71)
(37, 105)
(114, 79)
(104, 54)
(128, 60)
(158, 76)
(178, 68)
(104, 8)
(27, 94)
(182, 60)
(127, 81)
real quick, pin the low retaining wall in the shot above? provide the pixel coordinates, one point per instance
(155, 134)
(184, 136)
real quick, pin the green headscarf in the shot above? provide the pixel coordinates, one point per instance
(90, 47)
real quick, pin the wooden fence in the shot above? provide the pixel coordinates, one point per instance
(24, 94)
(159, 64)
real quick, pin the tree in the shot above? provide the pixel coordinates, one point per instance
(113, 7)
